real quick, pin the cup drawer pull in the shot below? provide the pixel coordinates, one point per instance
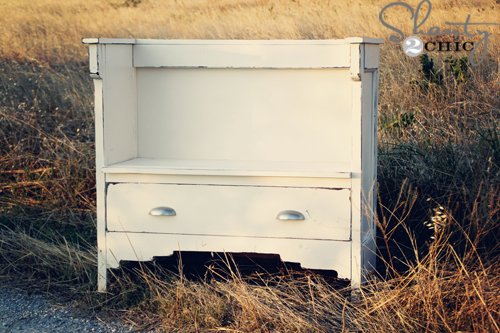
(290, 215)
(162, 211)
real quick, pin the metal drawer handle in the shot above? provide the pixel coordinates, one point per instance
(290, 215)
(162, 211)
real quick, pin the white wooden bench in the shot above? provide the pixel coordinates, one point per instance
(237, 146)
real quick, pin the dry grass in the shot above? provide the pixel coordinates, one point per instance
(441, 292)
(439, 175)
(37, 261)
(51, 30)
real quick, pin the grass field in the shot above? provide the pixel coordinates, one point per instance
(438, 169)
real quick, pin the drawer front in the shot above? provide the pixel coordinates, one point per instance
(249, 211)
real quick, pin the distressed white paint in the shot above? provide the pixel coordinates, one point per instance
(120, 110)
(230, 133)
(229, 167)
(242, 56)
(371, 56)
(100, 184)
(230, 210)
(137, 246)
(239, 180)
(93, 61)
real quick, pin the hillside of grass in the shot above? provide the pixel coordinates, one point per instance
(438, 169)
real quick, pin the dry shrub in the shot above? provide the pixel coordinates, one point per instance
(439, 293)
(47, 138)
(443, 276)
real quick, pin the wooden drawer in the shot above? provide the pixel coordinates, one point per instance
(249, 211)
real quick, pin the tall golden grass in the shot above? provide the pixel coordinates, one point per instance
(51, 30)
(438, 170)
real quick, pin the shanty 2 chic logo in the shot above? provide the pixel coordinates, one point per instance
(414, 46)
